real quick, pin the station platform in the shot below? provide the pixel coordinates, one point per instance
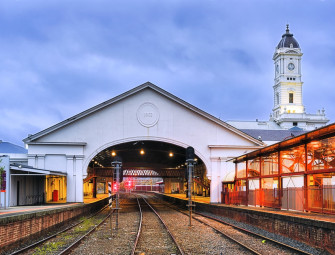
(26, 209)
(307, 215)
(22, 223)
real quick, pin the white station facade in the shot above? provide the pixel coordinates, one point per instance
(145, 113)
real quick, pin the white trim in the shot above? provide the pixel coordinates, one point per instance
(58, 143)
(235, 147)
(137, 89)
(35, 171)
(141, 138)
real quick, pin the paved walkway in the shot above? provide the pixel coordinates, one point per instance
(306, 215)
(16, 210)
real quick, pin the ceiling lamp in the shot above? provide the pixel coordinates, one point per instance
(142, 152)
(113, 153)
(171, 154)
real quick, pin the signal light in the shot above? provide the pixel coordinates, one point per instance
(115, 187)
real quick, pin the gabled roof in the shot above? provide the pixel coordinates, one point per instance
(147, 85)
(6, 147)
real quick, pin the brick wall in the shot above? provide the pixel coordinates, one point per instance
(16, 229)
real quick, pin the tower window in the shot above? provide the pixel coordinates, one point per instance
(295, 124)
(290, 98)
(277, 98)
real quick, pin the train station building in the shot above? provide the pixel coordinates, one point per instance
(150, 128)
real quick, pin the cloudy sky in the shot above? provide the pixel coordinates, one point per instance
(58, 58)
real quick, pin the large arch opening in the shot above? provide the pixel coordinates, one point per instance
(147, 166)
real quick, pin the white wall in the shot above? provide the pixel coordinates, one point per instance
(120, 123)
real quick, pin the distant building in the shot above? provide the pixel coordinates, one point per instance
(22, 184)
(10, 155)
(288, 116)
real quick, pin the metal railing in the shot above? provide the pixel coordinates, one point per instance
(313, 198)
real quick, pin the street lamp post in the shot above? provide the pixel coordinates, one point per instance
(117, 163)
(190, 164)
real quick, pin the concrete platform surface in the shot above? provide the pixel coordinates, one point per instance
(305, 215)
(17, 210)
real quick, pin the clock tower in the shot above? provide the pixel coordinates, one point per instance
(288, 109)
(288, 84)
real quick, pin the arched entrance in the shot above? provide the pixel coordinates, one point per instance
(145, 159)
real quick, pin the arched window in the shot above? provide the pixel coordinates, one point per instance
(290, 98)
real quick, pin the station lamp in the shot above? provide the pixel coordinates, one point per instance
(171, 154)
(142, 152)
(113, 153)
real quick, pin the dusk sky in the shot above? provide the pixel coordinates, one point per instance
(59, 58)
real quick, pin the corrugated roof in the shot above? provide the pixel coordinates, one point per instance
(6, 147)
(272, 135)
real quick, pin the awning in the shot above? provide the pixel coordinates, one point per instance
(29, 170)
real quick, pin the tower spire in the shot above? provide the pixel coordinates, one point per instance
(287, 29)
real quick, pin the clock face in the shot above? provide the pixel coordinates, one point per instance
(290, 66)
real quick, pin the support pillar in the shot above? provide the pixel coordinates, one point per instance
(94, 187)
(74, 165)
(78, 165)
(167, 185)
(71, 179)
(216, 185)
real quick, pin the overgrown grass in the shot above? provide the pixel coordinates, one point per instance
(48, 248)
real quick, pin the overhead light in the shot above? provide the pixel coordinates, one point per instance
(142, 152)
(113, 153)
(171, 154)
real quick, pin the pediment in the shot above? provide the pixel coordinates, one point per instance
(147, 115)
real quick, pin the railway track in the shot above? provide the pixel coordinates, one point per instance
(263, 239)
(153, 237)
(151, 226)
(63, 241)
(254, 242)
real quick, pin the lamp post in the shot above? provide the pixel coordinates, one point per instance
(190, 162)
(117, 163)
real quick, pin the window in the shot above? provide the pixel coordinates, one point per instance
(295, 124)
(277, 98)
(290, 98)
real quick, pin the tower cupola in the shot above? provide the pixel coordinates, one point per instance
(288, 108)
(288, 41)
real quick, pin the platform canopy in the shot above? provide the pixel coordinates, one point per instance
(28, 170)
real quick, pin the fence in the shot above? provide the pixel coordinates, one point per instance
(319, 198)
(146, 188)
